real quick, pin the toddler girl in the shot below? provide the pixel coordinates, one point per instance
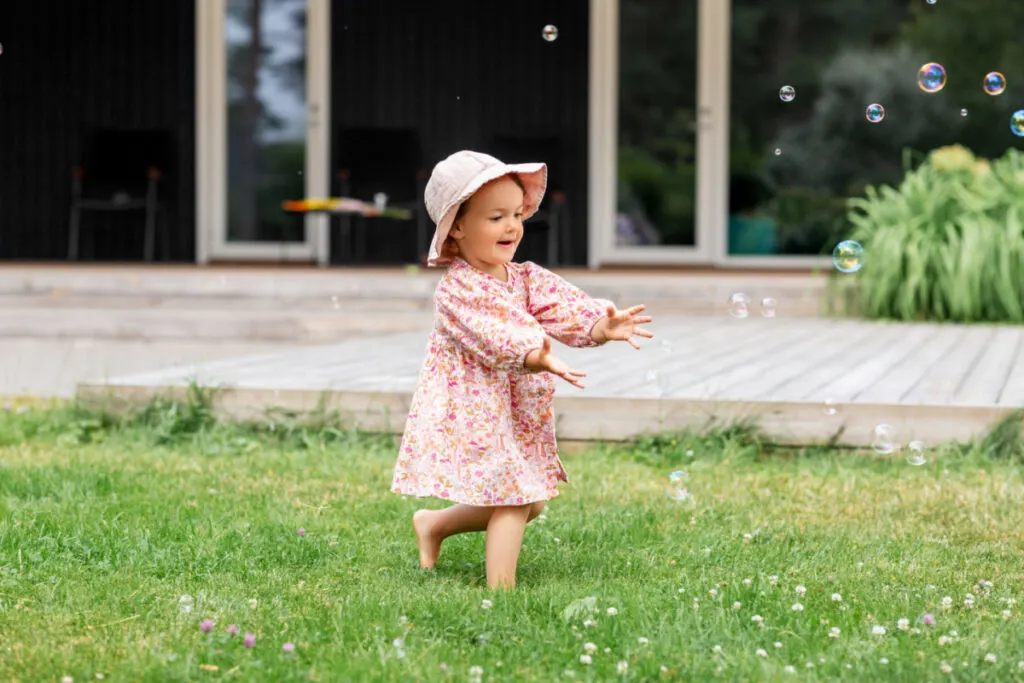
(481, 429)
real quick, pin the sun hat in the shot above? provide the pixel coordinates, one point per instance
(455, 179)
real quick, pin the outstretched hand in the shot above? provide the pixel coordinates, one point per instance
(623, 326)
(542, 360)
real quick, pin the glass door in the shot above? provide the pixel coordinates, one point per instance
(263, 137)
(658, 121)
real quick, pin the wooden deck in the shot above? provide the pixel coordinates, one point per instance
(931, 382)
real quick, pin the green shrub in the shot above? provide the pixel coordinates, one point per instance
(947, 244)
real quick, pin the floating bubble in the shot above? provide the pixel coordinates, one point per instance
(915, 453)
(884, 441)
(931, 77)
(1017, 123)
(679, 486)
(930, 2)
(768, 305)
(787, 93)
(335, 302)
(848, 256)
(995, 83)
(963, 112)
(778, 152)
(550, 32)
(830, 407)
(739, 305)
(666, 347)
(874, 113)
(1, 48)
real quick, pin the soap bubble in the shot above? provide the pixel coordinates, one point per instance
(550, 32)
(884, 441)
(915, 453)
(963, 112)
(778, 152)
(679, 486)
(874, 113)
(848, 256)
(930, 2)
(768, 305)
(830, 407)
(739, 305)
(1017, 123)
(787, 93)
(995, 83)
(931, 77)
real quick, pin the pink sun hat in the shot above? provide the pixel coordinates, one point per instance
(455, 179)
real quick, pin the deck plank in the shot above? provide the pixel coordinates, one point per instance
(938, 381)
(984, 381)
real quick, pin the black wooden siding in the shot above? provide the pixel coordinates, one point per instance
(461, 73)
(68, 65)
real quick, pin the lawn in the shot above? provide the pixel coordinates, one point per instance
(120, 538)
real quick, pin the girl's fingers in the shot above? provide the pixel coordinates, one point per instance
(640, 332)
(643, 319)
(636, 309)
(633, 344)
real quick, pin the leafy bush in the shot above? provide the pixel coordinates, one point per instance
(947, 244)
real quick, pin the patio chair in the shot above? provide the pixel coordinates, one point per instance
(121, 171)
(381, 160)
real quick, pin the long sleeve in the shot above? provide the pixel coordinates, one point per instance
(479, 317)
(565, 311)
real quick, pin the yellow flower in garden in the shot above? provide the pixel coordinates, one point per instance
(981, 167)
(952, 158)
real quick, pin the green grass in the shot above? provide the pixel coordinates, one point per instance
(105, 525)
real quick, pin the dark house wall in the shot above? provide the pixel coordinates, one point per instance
(71, 65)
(460, 74)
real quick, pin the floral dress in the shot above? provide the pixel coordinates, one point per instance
(481, 427)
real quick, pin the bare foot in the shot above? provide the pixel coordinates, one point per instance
(426, 539)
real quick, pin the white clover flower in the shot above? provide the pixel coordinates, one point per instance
(747, 582)
(736, 605)
(809, 665)
(878, 630)
(990, 658)
(903, 624)
(773, 580)
(253, 603)
(622, 667)
(664, 669)
(587, 623)
(945, 640)
(968, 603)
(945, 668)
(641, 640)
(777, 645)
(476, 671)
(883, 660)
(947, 602)
(486, 604)
(801, 591)
(611, 611)
(184, 599)
(398, 642)
(1020, 665)
(969, 596)
(713, 593)
(717, 649)
(789, 668)
(586, 659)
(589, 648)
(757, 619)
(1010, 602)
(607, 650)
(834, 633)
(836, 597)
(797, 607)
(747, 538)
(1007, 614)
(761, 653)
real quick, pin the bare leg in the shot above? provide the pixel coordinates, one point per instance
(433, 526)
(504, 540)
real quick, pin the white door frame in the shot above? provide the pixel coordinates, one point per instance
(712, 140)
(714, 57)
(211, 141)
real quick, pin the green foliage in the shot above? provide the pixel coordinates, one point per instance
(947, 244)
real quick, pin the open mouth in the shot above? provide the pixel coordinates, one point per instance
(507, 243)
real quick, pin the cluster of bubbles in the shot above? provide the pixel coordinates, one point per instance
(885, 443)
(739, 306)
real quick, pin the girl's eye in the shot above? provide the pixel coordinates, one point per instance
(496, 219)
(519, 216)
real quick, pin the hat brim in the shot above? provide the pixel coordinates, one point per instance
(535, 182)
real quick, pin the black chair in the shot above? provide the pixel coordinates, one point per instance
(121, 171)
(553, 215)
(387, 160)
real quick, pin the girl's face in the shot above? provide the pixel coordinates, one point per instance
(491, 227)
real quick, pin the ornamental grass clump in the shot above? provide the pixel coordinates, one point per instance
(947, 244)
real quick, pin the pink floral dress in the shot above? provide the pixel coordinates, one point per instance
(481, 427)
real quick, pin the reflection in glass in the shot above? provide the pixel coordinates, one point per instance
(266, 115)
(841, 56)
(657, 110)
